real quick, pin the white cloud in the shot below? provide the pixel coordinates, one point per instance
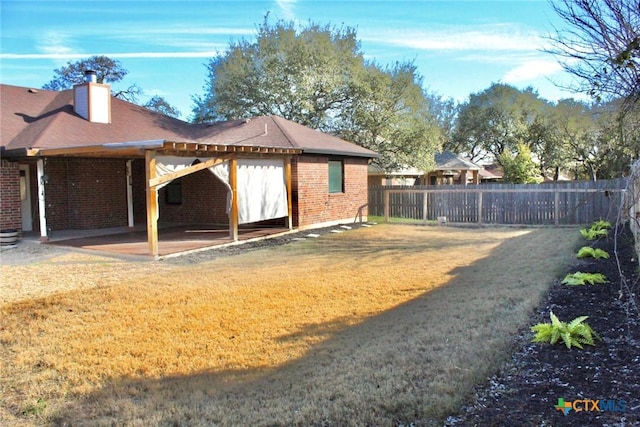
(68, 56)
(531, 70)
(286, 8)
(154, 92)
(55, 45)
(486, 38)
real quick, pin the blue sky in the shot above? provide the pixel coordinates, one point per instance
(459, 47)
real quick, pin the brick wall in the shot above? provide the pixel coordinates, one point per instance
(85, 193)
(204, 201)
(10, 204)
(91, 193)
(138, 191)
(312, 202)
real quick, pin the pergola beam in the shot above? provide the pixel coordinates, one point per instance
(188, 171)
(191, 147)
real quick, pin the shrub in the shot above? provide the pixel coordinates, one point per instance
(589, 252)
(575, 333)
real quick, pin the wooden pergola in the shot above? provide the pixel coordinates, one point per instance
(149, 150)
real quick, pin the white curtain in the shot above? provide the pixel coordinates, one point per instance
(221, 171)
(262, 191)
(169, 164)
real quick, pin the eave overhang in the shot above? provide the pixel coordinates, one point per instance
(137, 149)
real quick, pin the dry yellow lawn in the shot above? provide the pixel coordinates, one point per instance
(377, 325)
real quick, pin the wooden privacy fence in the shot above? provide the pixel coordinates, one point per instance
(532, 204)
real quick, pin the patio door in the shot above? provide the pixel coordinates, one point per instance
(25, 197)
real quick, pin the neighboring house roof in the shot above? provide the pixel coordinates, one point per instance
(487, 174)
(450, 161)
(493, 171)
(444, 161)
(375, 169)
(41, 119)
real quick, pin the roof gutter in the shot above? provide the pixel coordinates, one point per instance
(371, 155)
(152, 143)
(111, 146)
(16, 152)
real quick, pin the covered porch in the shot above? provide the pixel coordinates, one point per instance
(250, 175)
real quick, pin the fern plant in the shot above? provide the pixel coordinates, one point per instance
(589, 252)
(573, 334)
(579, 278)
(597, 230)
(593, 234)
(601, 225)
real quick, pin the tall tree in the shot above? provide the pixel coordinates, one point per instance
(600, 46)
(160, 105)
(496, 120)
(107, 70)
(445, 111)
(302, 76)
(618, 138)
(547, 142)
(316, 75)
(390, 114)
(578, 131)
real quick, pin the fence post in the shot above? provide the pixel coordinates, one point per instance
(479, 206)
(556, 207)
(386, 205)
(425, 197)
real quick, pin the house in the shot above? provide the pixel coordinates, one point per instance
(450, 169)
(491, 173)
(404, 176)
(81, 159)
(453, 169)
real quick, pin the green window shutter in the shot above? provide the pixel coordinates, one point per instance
(336, 182)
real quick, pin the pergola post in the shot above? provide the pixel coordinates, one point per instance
(233, 214)
(152, 202)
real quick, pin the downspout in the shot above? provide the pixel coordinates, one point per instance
(129, 195)
(42, 180)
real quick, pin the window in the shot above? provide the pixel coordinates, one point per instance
(336, 181)
(173, 194)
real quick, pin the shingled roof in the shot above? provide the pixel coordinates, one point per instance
(36, 119)
(451, 161)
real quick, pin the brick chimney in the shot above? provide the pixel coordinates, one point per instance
(92, 100)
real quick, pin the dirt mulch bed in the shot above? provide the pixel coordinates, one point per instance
(526, 390)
